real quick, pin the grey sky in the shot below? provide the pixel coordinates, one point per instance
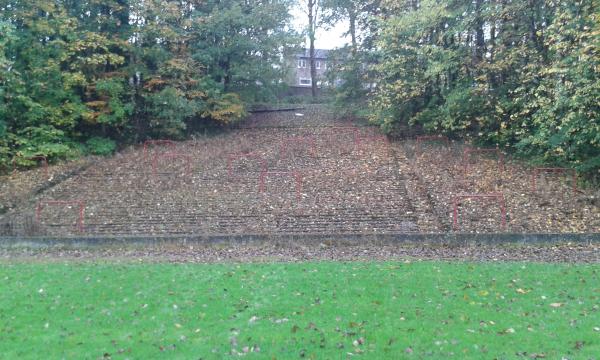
(325, 39)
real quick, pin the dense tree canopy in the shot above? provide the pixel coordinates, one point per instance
(523, 74)
(100, 72)
(81, 76)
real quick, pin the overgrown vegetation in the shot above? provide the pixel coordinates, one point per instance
(517, 74)
(96, 73)
(291, 311)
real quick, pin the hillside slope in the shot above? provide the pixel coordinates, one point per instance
(298, 172)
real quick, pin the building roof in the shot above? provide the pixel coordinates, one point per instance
(319, 54)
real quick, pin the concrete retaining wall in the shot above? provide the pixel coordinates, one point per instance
(304, 239)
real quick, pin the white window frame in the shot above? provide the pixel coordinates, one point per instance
(301, 63)
(309, 80)
(318, 64)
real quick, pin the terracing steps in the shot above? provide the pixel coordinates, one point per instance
(343, 192)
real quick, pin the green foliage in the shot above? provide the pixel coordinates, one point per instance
(114, 110)
(245, 39)
(100, 146)
(7, 33)
(168, 111)
(127, 70)
(350, 74)
(517, 74)
(44, 140)
(225, 109)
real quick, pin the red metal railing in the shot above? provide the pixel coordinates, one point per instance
(75, 203)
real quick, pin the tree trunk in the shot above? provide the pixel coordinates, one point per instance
(479, 35)
(311, 36)
(535, 21)
(492, 73)
(352, 19)
(227, 75)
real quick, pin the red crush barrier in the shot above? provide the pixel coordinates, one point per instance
(76, 203)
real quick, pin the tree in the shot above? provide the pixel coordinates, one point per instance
(42, 103)
(6, 75)
(312, 9)
(358, 13)
(351, 71)
(520, 74)
(77, 75)
(241, 44)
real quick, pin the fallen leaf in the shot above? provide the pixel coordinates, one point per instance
(358, 341)
(507, 331)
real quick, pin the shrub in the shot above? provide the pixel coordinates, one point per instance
(100, 146)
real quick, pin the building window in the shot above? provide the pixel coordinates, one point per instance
(318, 64)
(305, 81)
(301, 64)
